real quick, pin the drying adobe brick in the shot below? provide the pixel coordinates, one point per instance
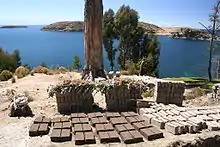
(137, 137)
(100, 128)
(151, 133)
(134, 119)
(120, 128)
(55, 135)
(64, 119)
(86, 127)
(81, 115)
(109, 115)
(38, 119)
(108, 127)
(79, 138)
(66, 125)
(84, 120)
(55, 120)
(65, 135)
(141, 125)
(74, 115)
(102, 120)
(129, 127)
(104, 137)
(113, 136)
(43, 129)
(46, 120)
(91, 115)
(118, 120)
(33, 131)
(78, 128)
(89, 138)
(94, 121)
(126, 137)
(98, 114)
(57, 125)
(75, 121)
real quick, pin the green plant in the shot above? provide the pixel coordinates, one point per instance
(76, 63)
(6, 75)
(149, 93)
(44, 64)
(21, 72)
(130, 66)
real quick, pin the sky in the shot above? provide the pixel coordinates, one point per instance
(164, 13)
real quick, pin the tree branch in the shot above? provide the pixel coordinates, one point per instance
(205, 28)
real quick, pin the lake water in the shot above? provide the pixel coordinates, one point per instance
(178, 57)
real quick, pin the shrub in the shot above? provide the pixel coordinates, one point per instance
(5, 75)
(13, 80)
(195, 93)
(130, 66)
(149, 93)
(21, 72)
(32, 74)
(124, 72)
(62, 70)
(40, 69)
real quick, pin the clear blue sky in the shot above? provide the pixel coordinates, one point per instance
(159, 12)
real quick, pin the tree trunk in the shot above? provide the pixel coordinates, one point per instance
(93, 13)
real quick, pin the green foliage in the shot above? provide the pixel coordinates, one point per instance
(9, 61)
(76, 63)
(131, 67)
(109, 35)
(5, 75)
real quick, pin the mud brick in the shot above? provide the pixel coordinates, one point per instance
(120, 128)
(213, 126)
(86, 127)
(136, 136)
(94, 121)
(129, 127)
(109, 115)
(215, 117)
(98, 114)
(158, 123)
(64, 119)
(100, 127)
(206, 118)
(116, 114)
(57, 125)
(133, 113)
(131, 120)
(103, 120)
(81, 115)
(113, 136)
(172, 128)
(181, 128)
(75, 121)
(157, 132)
(125, 114)
(46, 120)
(151, 133)
(43, 129)
(78, 128)
(139, 118)
(55, 135)
(91, 115)
(104, 137)
(122, 120)
(33, 130)
(79, 138)
(141, 125)
(38, 119)
(108, 127)
(65, 135)
(198, 121)
(127, 137)
(74, 115)
(181, 118)
(148, 117)
(196, 127)
(55, 120)
(84, 120)
(66, 125)
(89, 138)
(114, 121)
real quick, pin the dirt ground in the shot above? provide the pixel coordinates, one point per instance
(14, 131)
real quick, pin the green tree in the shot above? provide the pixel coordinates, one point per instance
(76, 63)
(109, 35)
(214, 18)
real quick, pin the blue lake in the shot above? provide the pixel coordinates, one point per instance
(178, 58)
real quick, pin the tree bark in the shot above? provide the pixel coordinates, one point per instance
(93, 14)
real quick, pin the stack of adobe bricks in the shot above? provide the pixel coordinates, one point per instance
(122, 98)
(40, 126)
(75, 98)
(169, 92)
(180, 120)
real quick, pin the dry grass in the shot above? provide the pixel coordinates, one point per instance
(21, 72)
(40, 69)
(195, 93)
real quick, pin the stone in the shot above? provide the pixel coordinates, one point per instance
(33, 131)
(55, 135)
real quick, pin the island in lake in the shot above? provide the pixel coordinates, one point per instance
(174, 32)
(12, 26)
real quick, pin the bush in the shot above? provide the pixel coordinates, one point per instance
(149, 93)
(21, 72)
(62, 70)
(40, 69)
(195, 93)
(130, 66)
(124, 72)
(5, 75)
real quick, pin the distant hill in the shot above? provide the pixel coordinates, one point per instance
(76, 26)
(12, 26)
